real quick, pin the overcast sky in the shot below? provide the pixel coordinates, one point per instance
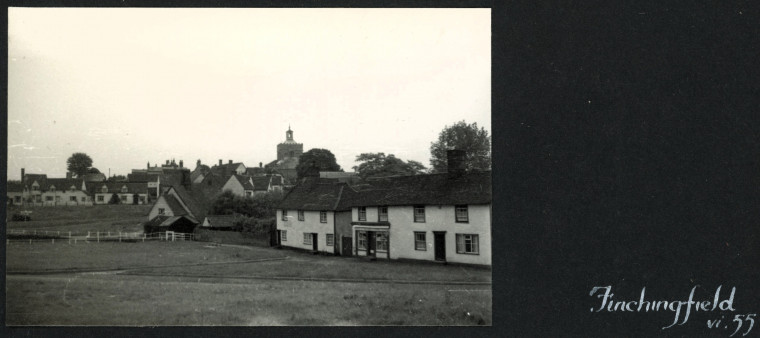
(130, 86)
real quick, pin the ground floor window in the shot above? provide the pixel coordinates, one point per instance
(124, 198)
(330, 239)
(467, 244)
(48, 198)
(362, 240)
(18, 199)
(84, 199)
(100, 198)
(284, 235)
(306, 238)
(381, 240)
(420, 242)
(73, 198)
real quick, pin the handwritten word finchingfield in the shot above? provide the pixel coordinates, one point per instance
(677, 306)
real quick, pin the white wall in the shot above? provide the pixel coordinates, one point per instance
(160, 203)
(437, 218)
(234, 185)
(310, 224)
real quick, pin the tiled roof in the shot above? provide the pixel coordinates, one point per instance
(244, 181)
(221, 221)
(261, 183)
(115, 187)
(62, 183)
(254, 171)
(312, 195)
(194, 201)
(336, 174)
(226, 168)
(174, 205)
(156, 221)
(15, 186)
(469, 188)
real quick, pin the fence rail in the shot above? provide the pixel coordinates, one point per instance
(42, 236)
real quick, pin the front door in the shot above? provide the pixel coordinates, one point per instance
(440, 245)
(371, 243)
(346, 247)
(278, 240)
(314, 238)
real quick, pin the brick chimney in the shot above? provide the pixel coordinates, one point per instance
(180, 163)
(220, 162)
(230, 162)
(68, 175)
(198, 164)
(455, 162)
(261, 164)
(22, 174)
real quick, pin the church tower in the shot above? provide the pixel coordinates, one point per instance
(289, 148)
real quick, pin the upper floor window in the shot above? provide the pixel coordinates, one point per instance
(52, 188)
(124, 188)
(419, 214)
(284, 215)
(382, 214)
(301, 216)
(323, 217)
(35, 188)
(362, 213)
(462, 214)
(104, 189)
(160, 210)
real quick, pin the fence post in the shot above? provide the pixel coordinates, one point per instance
(98, 233)
(69, 234)
(119, 236)
(109, 234)
(53, 240)
(88, 234)
(30, 241)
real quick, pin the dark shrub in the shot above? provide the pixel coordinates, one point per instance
(19, 217)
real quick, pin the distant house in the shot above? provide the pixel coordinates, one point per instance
(125, 192)
(229, 168)
(200, 171)
(99, 177)
(176, 210)
(267, 184)
(39, 190)
(239, 185)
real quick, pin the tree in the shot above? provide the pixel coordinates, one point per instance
(322, 159)
(117, 178)
(378, 165)
(79, 164)
(475, 142)
(93, 170)
(259, 206)
(114, 199)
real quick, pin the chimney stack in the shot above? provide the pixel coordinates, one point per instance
(230, 162)
(220, 162)
(455, 162)
(148, 164)
(261, 164)
(22, 174)
(68, 175)
(198, 164)
(180, 163)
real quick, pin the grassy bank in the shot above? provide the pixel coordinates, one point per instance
(125, 218)
(40, 257)
(105, 301)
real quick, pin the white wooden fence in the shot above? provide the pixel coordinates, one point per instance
(96, 236)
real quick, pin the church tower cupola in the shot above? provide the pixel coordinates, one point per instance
(289, 134)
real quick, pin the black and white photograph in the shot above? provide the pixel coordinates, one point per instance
(249, 167)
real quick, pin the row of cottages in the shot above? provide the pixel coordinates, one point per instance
(120, 193)
(437, 217)
(176, 210)
(39, 190)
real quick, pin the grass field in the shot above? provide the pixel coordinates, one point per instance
(170, 296)
(126, 218)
